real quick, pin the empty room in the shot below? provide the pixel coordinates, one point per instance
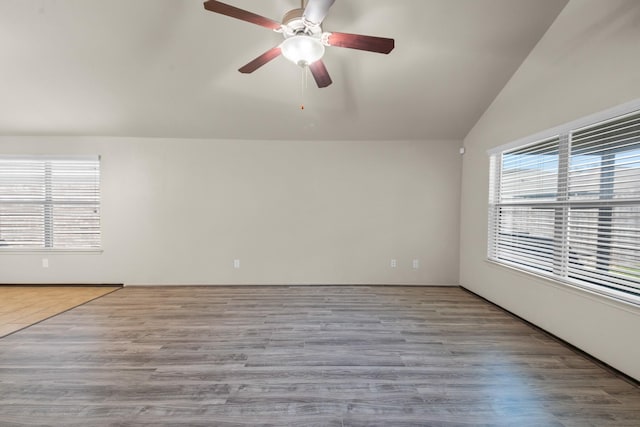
(319, 213)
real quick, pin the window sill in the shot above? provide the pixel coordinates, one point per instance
(15, 251)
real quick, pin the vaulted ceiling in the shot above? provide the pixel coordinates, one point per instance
(168, 68)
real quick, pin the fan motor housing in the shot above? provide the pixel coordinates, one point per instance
(294, 14)
(294, 24)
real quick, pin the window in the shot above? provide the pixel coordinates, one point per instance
(49, 202)
(568, 206)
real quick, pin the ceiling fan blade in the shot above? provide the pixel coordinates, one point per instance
(357, 41)
(317, 10)
(234, 12)
(260, 60)
(320, 73)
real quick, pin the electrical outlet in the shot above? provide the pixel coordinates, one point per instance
(45, 262)
(416, 264)
(394, 263)
(236, 263)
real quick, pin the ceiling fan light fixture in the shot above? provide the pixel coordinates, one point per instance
(304, 39)
(302, 50)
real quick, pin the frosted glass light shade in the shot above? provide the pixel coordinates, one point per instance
(302, 50)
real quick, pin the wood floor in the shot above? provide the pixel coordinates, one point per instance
(300, 356)
(22, 306)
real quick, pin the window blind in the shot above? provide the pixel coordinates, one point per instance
(604, 209)
(49, 202)
(569, 207)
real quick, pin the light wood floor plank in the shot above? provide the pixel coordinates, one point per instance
(21, 306)
(301, 356)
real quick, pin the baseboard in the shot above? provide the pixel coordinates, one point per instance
(437, 285)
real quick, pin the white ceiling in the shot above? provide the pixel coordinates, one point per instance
(168, 68)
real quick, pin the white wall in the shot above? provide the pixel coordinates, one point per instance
(294, 212)
(587, 62)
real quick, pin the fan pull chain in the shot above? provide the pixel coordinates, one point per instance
(303, 86)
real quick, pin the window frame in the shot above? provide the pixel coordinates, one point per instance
(47, 203)
(563, 204)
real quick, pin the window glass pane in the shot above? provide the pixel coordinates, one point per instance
(526, 236)
(76, 226)
(530, 173)
(21, 180)
(21, 226)
(605, 161)
(604, 245)
(627, 172)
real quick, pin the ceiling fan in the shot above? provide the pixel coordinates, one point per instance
(304, 40)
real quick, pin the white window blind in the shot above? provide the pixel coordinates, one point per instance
(49, 202)
(569, 207)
